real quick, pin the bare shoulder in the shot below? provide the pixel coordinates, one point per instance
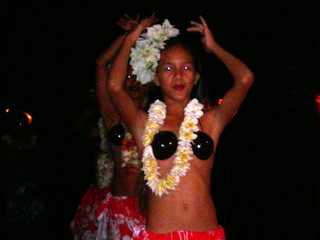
(137, 129)
(141, 120)
(210, 122)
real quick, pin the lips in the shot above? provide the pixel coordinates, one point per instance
(179, 87)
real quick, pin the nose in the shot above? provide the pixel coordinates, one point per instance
(178, 74)
(136, 84)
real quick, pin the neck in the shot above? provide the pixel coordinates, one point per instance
(138, 102)
(176, 107)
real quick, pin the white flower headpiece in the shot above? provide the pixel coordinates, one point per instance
(146, 53)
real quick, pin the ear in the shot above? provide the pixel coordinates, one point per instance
(156, 80)
(197, 78)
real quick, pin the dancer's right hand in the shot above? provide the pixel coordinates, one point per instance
(127, 23)
(133, 36)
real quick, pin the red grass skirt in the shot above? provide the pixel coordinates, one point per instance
(118, 216)
(84, 224)
(216, 234)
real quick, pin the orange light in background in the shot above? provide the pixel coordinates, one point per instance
(7, 110)
(29, 117)
(317, 99)
(220, 101)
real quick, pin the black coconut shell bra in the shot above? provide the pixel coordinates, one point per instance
(165, 143)
(116, 134)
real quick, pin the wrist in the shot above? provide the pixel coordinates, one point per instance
(133, 36)
(213, 47)
(129, 41)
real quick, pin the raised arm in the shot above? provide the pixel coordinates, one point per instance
(130, 114)
(241, 74)
(103, 64)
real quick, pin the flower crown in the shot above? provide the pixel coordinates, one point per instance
(146, 53)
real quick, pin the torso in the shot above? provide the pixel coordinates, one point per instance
(126, 177)
(182, 208)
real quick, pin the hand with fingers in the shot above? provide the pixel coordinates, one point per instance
(207, 35)
(148, 21)
(127, 23)
(144, 24)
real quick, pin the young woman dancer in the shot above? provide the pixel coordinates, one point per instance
(176, 140)
(109, 209)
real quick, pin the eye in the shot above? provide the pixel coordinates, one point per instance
(168, 68)
(187, 67)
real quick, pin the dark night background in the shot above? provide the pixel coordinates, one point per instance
(265, 179)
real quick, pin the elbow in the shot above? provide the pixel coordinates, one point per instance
(248, 79)
(102, 60)
(100, 63)
(113, 88)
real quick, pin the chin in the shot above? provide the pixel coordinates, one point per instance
(135, 95)
(183, 95)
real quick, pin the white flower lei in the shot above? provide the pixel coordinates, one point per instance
(146, 53)
(105, 164)
(157, 114)
(129, 154)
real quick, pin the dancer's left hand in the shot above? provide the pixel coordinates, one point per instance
(202, 28)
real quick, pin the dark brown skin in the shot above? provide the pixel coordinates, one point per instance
(191, 201)
(125, 179)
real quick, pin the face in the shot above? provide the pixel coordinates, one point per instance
(176, 73)
(133, 87)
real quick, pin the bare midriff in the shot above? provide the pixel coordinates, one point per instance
(125, 183)
(187, 208)
(125, 179)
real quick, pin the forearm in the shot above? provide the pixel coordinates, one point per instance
(233, 98)
(119, 66)
(101, 84)
(239, 71)
(106, 106)
(118, 71)
(102, 72)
